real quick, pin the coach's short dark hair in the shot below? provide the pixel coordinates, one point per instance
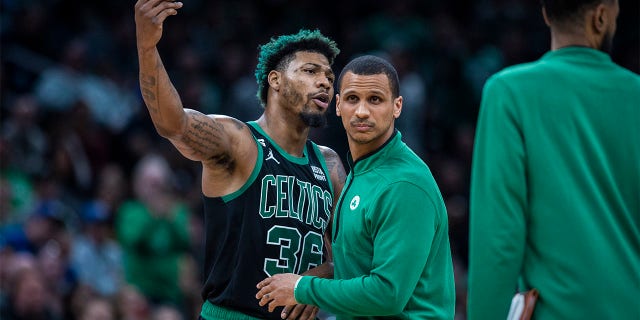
(277, 53)
(568, 11)
(371, 65)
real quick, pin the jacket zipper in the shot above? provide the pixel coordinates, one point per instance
(339, 209)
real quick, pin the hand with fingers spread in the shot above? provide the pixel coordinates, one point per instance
(150, 16)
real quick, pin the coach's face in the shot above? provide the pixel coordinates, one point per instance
(368, 111)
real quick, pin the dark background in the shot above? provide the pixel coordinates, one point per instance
(443, 51)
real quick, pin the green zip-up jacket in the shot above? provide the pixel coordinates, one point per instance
(555, 192)
(391, 244)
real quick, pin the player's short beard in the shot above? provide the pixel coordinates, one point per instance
(314, 120)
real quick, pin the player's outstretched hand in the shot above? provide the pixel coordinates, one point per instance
(150, 16)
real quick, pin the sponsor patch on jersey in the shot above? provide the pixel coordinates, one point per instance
(318, 173)
(355, 201)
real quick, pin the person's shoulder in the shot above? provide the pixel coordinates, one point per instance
(404, 165)
(516, 76)
(521, 70)
(229, 121)
(326, 151)
(333, 161)
(628, 75)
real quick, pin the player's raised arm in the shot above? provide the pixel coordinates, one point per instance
(197, 136)
(158, 92)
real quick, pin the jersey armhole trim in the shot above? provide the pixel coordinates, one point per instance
(252, 177)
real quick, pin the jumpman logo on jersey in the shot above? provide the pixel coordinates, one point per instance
(271, 157)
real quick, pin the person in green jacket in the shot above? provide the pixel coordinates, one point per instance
(555, 186)
(390, 231)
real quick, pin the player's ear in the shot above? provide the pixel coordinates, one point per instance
(337, 104)
(600, 19)
(397, 107)
(546, 18)
(274, 79)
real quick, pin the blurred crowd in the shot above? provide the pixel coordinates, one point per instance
(100, 218)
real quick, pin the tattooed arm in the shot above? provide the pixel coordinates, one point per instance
(158, 92)
(216, 141)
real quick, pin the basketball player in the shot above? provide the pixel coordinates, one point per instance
(268, 191)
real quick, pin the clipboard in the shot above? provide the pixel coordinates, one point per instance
(523, 305)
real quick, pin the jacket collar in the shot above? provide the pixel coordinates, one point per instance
(375, 157)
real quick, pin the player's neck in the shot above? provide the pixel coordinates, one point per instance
(570, 38)
(291, 136)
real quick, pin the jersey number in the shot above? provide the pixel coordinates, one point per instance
(291, 242)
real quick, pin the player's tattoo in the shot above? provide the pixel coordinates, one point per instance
(147, 94)
(333, 166)
(203, 136)
(147, 80)
(197, 146)
(148, 89)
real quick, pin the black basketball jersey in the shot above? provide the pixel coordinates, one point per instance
(273, 224)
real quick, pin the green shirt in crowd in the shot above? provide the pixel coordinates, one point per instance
(153, 248)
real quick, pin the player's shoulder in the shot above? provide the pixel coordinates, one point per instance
(228, 120)
(327, 152)
(236, 130)
(334, 165)
(527, 74)
(628, 76)
(521, 70)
